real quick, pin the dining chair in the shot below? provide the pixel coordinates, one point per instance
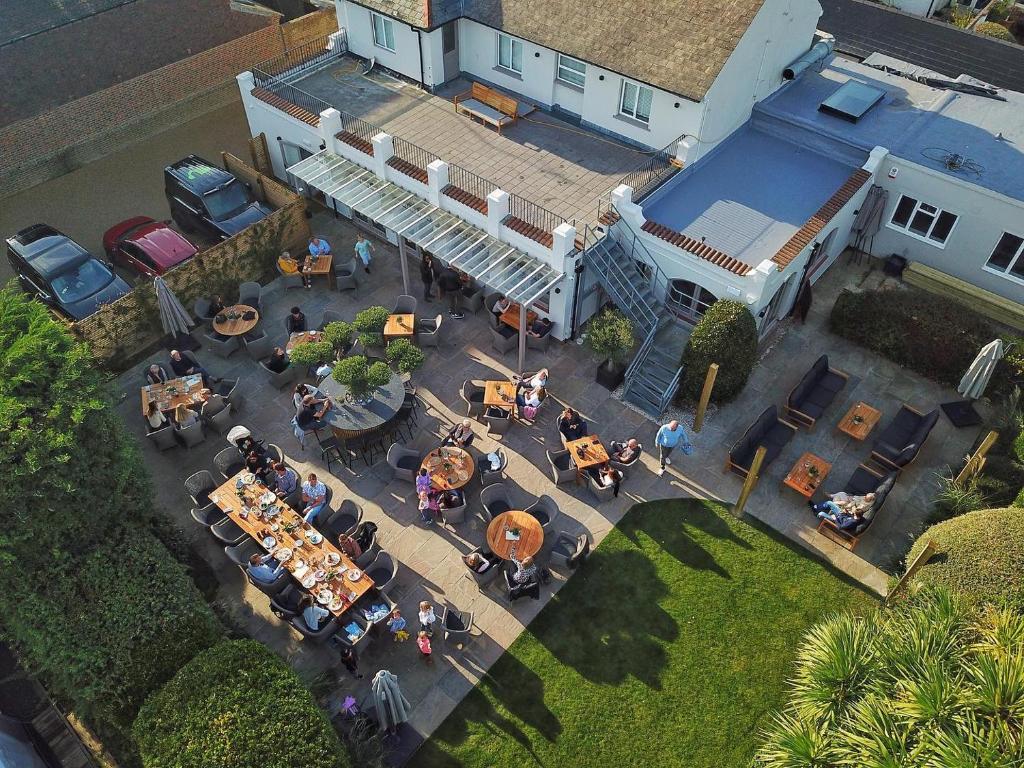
(352, 617)
(485, 578)
(404, 461)
(199, 486)
(250, 294)
(494, 500)
(163, 438)
(383, 571)
(570, 551)
(222, 346)
(228, 462)
(239, 554)
(209, 516)
(602, 493)
(331, 316)
(345, 275)
(562, 467)
(228, 531)
(539, 343)
(289, 279)
(453, 515)
(489, 475)
(457, 625)
(544, 510)
(283, 379)
(369, 553)
(201, 310)
(258, 344)
(405, 305)
(344, 520)
(322, 635)
(473, 395)
(501, 342)
(428, 332)
(285, 603)
(498, 420)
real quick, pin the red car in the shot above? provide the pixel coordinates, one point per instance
(146, 246)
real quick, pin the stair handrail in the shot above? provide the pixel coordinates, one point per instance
(633, 245)
(641, 355)
(638, 308)
(670, 391)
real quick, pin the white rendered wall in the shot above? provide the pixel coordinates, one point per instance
(405, 59)
(277, 126)
(782, 31)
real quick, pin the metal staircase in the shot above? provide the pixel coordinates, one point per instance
(632, 279)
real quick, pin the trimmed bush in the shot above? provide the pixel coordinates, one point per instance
(610, 336)
(405, 356)
(727, 335)
(933, 336)
(980, 555)
(991, 29)
(369, 323)
(236, 705)
(312, 353)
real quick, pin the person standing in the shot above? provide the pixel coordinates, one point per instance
(449, 282)
(364, 250)
(428, 273)
(351, 661)
(669, 436)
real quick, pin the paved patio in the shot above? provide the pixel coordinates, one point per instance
(429, 556)
(546, 160)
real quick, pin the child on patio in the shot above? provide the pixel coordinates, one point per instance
(396, 624)
(423, 643)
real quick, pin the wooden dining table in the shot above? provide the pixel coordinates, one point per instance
(400, 327)
(302, 337)
(236, 326)
(510, 317)
(500, 394)
(502, 542)
(169, 394)
(593, 453)
(286, 535)
(449, 467)
(320, 266)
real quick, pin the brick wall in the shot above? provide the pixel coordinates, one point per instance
(123, 330)
(54, 143)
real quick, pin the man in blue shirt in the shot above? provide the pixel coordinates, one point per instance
(314, 496)
(318, 247)
(264, 568)
(669, 436)
(285, 480)
(363, 249)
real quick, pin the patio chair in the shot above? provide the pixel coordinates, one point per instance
(344, 520)
(815, 392)
(239, 554)
(222, 346)
(209, 516)
(227, 531)
(602, 493)
(498, 420)
(454, 515)
(199, 486)
(322, 635)
(271, 589)
(544, 510)
(864, 480)
(331, 316)
(622, 466)
(258, 344)
(191, 436)
(473, 395)
(539, 343)
(502, 342)
(369, 553)
(514, 591)
(570, 551)
(768, 430)
(285, 378)
(472, 298)
(274, 452)
(285, 603)
(495, 500)
(489, 300)
(563, 469)
(404, 461)
(383, 571)
(289, 279)
(902, 439)
(201, 310)
(457, 625)
(228, 462)
(221, 421)
(250, 294)
(353, 617)
(488, 475)
(485, 578)
(345, 275)
(405, 305)
(163, 438)
(227, 388)
(428, 332)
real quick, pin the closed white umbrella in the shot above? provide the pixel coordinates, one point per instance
(392, 706)
(173, 317)
(972, 385)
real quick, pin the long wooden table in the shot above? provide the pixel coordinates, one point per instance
(288, 530)
(172, 393)
(302, 337)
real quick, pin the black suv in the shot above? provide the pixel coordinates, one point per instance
(206, 198)
(61, 273)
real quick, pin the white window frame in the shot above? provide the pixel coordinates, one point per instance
(1017, 257)
(926, 209)
(626, 84)
(387, 28)
(581, 73)
(513, 43)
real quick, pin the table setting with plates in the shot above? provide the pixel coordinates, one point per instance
(450, 468)
(320, 567)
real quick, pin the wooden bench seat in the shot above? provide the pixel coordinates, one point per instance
(487, 105)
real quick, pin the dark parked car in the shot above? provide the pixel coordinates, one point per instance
(146, 246)
(210, 200)
(61, 273)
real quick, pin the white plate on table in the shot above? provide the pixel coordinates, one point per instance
(355, 574)
(320, 574)
(324, 596)
(333, 558)
(314, 538)
(269, 497)
(269, 542)
(301, 569)
(248, 478)
(283, 555)
(336, 604)
(308, 582)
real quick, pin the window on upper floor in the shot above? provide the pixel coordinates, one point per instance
(383, 32)
(571, 71)
(635, 101)
(1008, 256)
(923, 221)
(510, 53)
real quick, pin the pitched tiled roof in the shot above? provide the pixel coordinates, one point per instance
(862, 28)
(813, 226)
(677, 45)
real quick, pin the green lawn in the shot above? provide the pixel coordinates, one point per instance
(668, 648)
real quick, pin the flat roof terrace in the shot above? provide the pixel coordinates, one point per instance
(548, 161)
(749, 196)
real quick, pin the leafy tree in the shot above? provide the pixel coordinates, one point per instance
(610, 336)
(727, 335)
(404, 355)
(369, 323)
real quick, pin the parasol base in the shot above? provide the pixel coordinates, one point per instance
(961, 413)
(181, 341)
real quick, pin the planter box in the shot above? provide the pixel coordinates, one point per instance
(610, 377)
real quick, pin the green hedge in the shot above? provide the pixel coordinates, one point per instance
(236, 705)
(980, 555)
(991, 29)
(936, 337)
(727, 335)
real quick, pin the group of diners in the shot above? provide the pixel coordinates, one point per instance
(572, 426)
(183, 414)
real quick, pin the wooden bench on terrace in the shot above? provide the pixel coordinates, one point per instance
(489, 105)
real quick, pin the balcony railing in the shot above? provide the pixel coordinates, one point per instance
(412, 154)
(652, 173)
(309, 55)
(537, 217)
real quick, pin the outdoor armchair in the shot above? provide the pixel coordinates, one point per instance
(222, 346)
(770, 431)
(250, 294)
(405, 305)
(544, 510)
(404, 461)
(562, 467)
(815, 392)
(258, 344)
(901, 441)
(163, 438)
(383, 571)
(289, 279)
(457, 625)
(199, 486)
(228, 462)
(494, 499)
(473, 394)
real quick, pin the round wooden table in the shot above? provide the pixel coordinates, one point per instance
(458, 472)
(237, 327)
(531, 535)
(350, 419)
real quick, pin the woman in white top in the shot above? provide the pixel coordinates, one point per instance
(501, 306)
(184, 417)
(533, 397)
(540, 379)
(155, 417)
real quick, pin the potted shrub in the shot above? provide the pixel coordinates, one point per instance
(361, 378)
(610, 337)
(339, 336)
(312, 354)
(370, 325)
(404, 356)
(727, 335)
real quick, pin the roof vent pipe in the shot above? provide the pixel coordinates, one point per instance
(818, 52)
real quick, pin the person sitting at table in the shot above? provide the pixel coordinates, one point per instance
(461, 435)
(310, 415)
(449, 499)
(278, 360)
(501, 306)
(156, 374)
(248, 444)
(155, 418)
(259, 465)
(285, 479)
(301, 390)
(314, 615)
(314, 498)
(318, 247)
(216, 306)
(625, 452)
(323, 371)
(184, 417)
(423, 481)
(349, 546)
(289, 266)
(526, 570)
(540, 328)
(185, 364)
(526, 381)
(607, 477)
(532, 397)
(478, 562)
(296, 321)
(571, 425)
(264, 568)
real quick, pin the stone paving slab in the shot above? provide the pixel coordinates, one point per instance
(430, 566)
